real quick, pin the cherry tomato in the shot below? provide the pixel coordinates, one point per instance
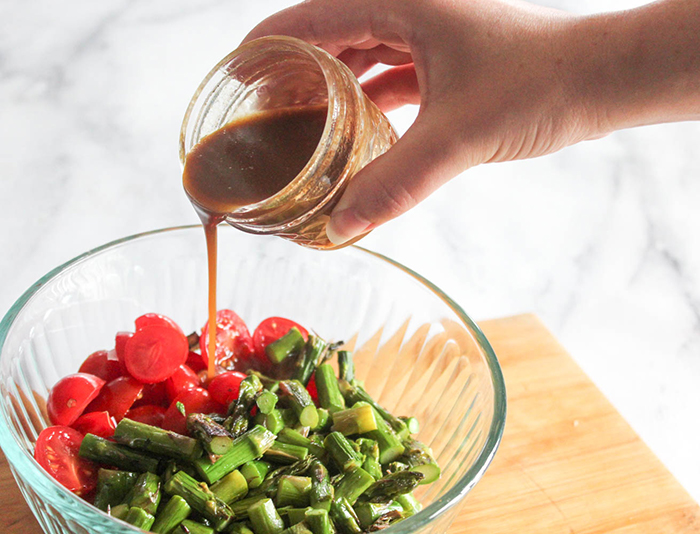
(153, 394)
(234, 346)
(224, 388)
(149, 414)
(196, 362)
(117, 397)
(155, 352)
(69, 397)
(103, 364)
(181, 380)
(271, 329)
(151, 319)
(195, 400)
(57, 452)
(311, 388)
(120, 344)
(99, 423)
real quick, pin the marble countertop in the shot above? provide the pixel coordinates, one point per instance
(599, 239)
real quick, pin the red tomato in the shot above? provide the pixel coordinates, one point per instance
(181, 380)
(57, 452)
(224, 388)
(195, 400)
(153, 394)
(103, 364)
(99, 423)
(69, 397)
(271, 329)
(149, 414)
(233, 341)
(120, 344)
(155, 352)
(196, 362)
(151, 319)
(117, 397)
(311, 388)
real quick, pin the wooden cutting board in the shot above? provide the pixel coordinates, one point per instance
(568, 462)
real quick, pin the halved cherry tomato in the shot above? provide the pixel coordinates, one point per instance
(57, 452)
(181, 380)
(151, 319)
(103, 364)
(149, 414)
(155, 352)
(195, 400)
(99, 423)
(117, 397)
(311, 388)
(153, 394)
(195, 361)
(69, 397)
(271, 329)
(224, 388)
(234, 346)
(120, 344)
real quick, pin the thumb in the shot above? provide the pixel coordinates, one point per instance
(418, 164)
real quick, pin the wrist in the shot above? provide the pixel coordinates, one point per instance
(637, 67)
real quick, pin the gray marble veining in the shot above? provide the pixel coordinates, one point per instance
(601, 239)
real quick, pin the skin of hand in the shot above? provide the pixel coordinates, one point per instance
(496, 80)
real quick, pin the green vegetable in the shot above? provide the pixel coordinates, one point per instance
(192, 527)
(391, 486)
(346, 367)
(145, 494)
(157, 441)
(284, 453)
(213, 436)
(290, 344)
(175, 511)
(113, 487)
(200, 498)
(344, 517)
(264, 517)
(231, 488)
(306, 363)
(139, 518)
(255, 472)
(342, 452)
(293, 491)
(319, 522)
(359, 419)
(353, 484)
(329, 394)
(105, 452)
(301, 402)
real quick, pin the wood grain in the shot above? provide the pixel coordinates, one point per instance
(568, 463)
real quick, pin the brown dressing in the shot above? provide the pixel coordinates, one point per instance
(242, 163)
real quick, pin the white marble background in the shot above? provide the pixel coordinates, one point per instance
(600, 239)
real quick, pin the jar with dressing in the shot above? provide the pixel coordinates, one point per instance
(272, 137)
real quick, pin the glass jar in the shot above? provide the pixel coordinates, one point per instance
(279, 72)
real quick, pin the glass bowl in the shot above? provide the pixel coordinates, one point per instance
(416, 350)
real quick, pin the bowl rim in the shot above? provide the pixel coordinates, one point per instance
(452, 496)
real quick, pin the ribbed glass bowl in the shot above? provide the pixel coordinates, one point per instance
(416, 350)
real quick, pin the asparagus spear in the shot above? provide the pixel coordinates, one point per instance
(175, 511)
(301, 402)
(391, 486)
(155, 440)
(306, 362)
(290, 344)
(328, 391)
(269, 486)
(264, 517)
(240, 508)
(255, 472)
(102, 451)
(322, 491)
(344, 517)
(346, 367)
(275, 420)
(411, 424)
(293, 491)
(356, 393)
(359, 419)
(112, 487)
(266, 401)
(324, 420)
(368, 512)
(409, 504)
(370, 450)
(200, 498)
(231, 488)
(215, 438)
(390, 446)
(245, 448)
(145, 494)
(298, 528)
(319, 522)
(353, 484)
(294, 437)
(342, 451)
(237, 422)
(420, 458)
(120, 511)
(139, 518)
(238, 528)
(284, 453)
(192, 527)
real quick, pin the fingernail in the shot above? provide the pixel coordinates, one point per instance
(345, 225)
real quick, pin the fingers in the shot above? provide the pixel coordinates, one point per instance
(394, 88)
(420, 162)
(360, 61)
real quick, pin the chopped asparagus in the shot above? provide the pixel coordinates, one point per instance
(192, 527)
(322, 490)
(284, 453)
(106, 452)
(120, 511)
(231, 488)
(175, 511)
(145, 494)
(353, 484)
(344, 517)
(409, 504)
(139, 518)
(357, 393)
(266, 401)
(237, 422)
(342, 451)
(390, 446)
(329, 395)
(112, 487)
(359, 419)
(290, 344)
(201, 498)
(264, 517)
(293, 491)
(319, 522)
(420, 458)
(301, 402)
(346, 367)
(391, 486)
(255, 472)
(306, 363)
(215, 438)
(369, 512)
(157, 441)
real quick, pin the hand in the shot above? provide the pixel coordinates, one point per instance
(495, 80)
